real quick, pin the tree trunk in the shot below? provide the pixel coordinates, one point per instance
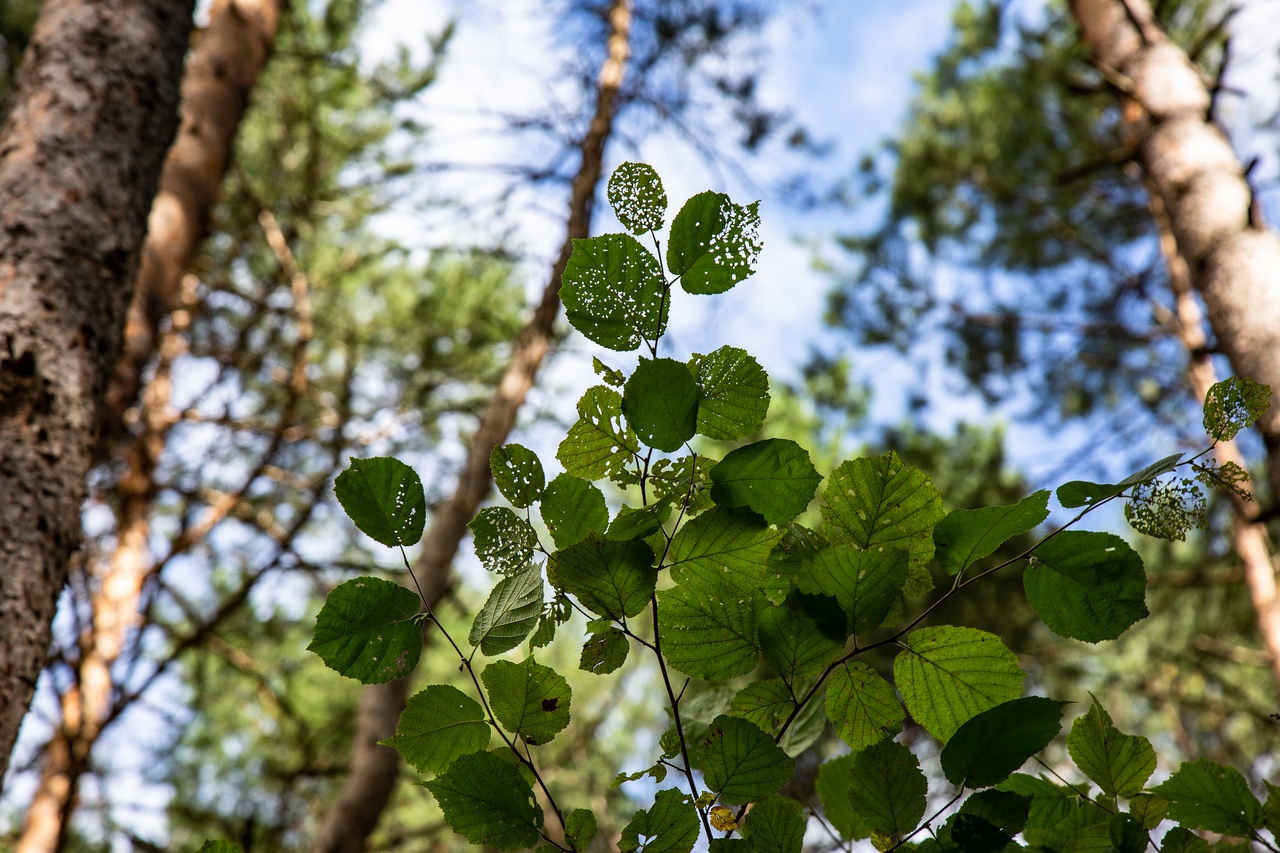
(81, 151)
(347, 826)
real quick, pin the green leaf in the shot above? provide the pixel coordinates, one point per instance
(610, 375)
(1119, 763)
(1233, 404)
(708, 632)
(1204, 795)
(638, 522)
(510, 613)
(864, 582)
(504, 541)
(887, 789)
(800, 636)
(774, 477)
(684, 480)
(1079, 493)
(881, 501)
(1148, 809)
(1127, 835)
(728, 547)
(384, 497)
(833, 789)
(991, 745)
(1087, 586)
(1003, 809)
(1271, 808)
(614, 293)
(212, 846)
(368, 630)
(487, 801)
(527, 698)
(741, 762)
(775, 825)
(862, 706)
(670, 825)
(517, 472)
(604, 652)
(948, 675)
(437, 726)
(660, 401)
(600, 443)
(733, 394)
(808, 726)
(580, 828)
(637, 197)
(613, 579)
(764, 703)
(714, 243)
(572, 509)
(967, 535)
(1180, 840)
(969, 833)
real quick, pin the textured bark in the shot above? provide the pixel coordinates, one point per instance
(81, 151)
(372, 775)
(1231, 260)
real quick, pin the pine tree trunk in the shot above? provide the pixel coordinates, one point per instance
(373, 770)
(95, 109)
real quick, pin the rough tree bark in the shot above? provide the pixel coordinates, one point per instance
(228, 55)
(373, 769)
(81, 151)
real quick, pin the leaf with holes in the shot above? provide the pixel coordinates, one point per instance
(510, 613)
(368, 630)
(1234, 404)
(670, 825)
(637, 197)
(517, 472)
(714, 243)
(600, 443)
(438, 725)
(384, 497)
(527, 698)
(504, 541)
(614, 293)
(733, 394)
(604, 651)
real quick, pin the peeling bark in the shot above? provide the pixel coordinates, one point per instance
(81, 151)
(348, 824)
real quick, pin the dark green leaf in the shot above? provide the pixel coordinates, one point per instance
(948, 675)
(991, 745)
(600, 444)
(741, 762)
(774, 477)
(670, 825)
(714, 243)
(967, 535)
(887, 789)
(384, 497)
(800, 636)
(487, 801)
(708, 632)
(613, 579)
(1180, 840)
(1119, 763)
(1148, 809)
(572, 508)
(517, 472)
(212, 846)
(604, 652)
(527, 698)
(510, 613)
(1233, 404)
(437, 726)
(613, 377)
(613, 292)
(1087, 586)
(862, 706)
(833, 789)
(1078, 493)
(775, 825)
(972, 834)
(368, 630)
(579, 828)
(881, 501)
(1003, 809)
(638, 522)
(1127, 835)
(864, 582)
(1204, 795)
(637, 197)
(727, 547)
(660, 402)
(504, 540)
(733, 394)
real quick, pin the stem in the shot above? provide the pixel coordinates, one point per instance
(928, 821)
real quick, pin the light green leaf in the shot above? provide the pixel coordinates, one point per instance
(967, 535)
(741, 762)
(579, 828)
(613, 579)
(947, 675)
(1078, 493)
(733, 394)
(604, 652)
(1181, 840)
(660, 401)
(775, 825)
(1204, 795)
(487, 801)
(437, 726)
(1087, 586)
(765, 703)
(887, 789)
(368, 630)
(864, 582)
(1094, 838)
(1234, 404)
(800, 636)
(862, 706)
(504, 541)
(527, 698)
(637, 197)
(991, 745)
(510, 613)
(708, 632)
(613, 292)
(881, 501)
(600, 443)
(1119, 763)
(833, 789)
(384, 497)
(572, 508)
(773, 477)
(728, 547)
(670, 825)
(714, 243)
(517, 472)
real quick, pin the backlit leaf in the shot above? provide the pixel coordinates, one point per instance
(527, 698)
(887, 789)
(613, 579)
(833, 789)
(604, 652)
(637, 197)
(1119, 763)
(580, 828)
(714, 243)
(1087, 586)
(800, 636)
(504, 541)
(384, 497)
(1204, 795)
(438, 725)
(862, 706)
(517, 472)
(765, 703)
(368, 630)
(613, 292)
(775, 825)
(1233, 404)
(733, 394)
(1079, 493)
(487, 801)
(773, 477)
(741, 762)
(510, 613)
(572, 509)
(727, 546)
(708, 632)
(670, 825)
(864, 582)
(967, 535)
(991, 745)
(600, 443)
(1181, 840)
